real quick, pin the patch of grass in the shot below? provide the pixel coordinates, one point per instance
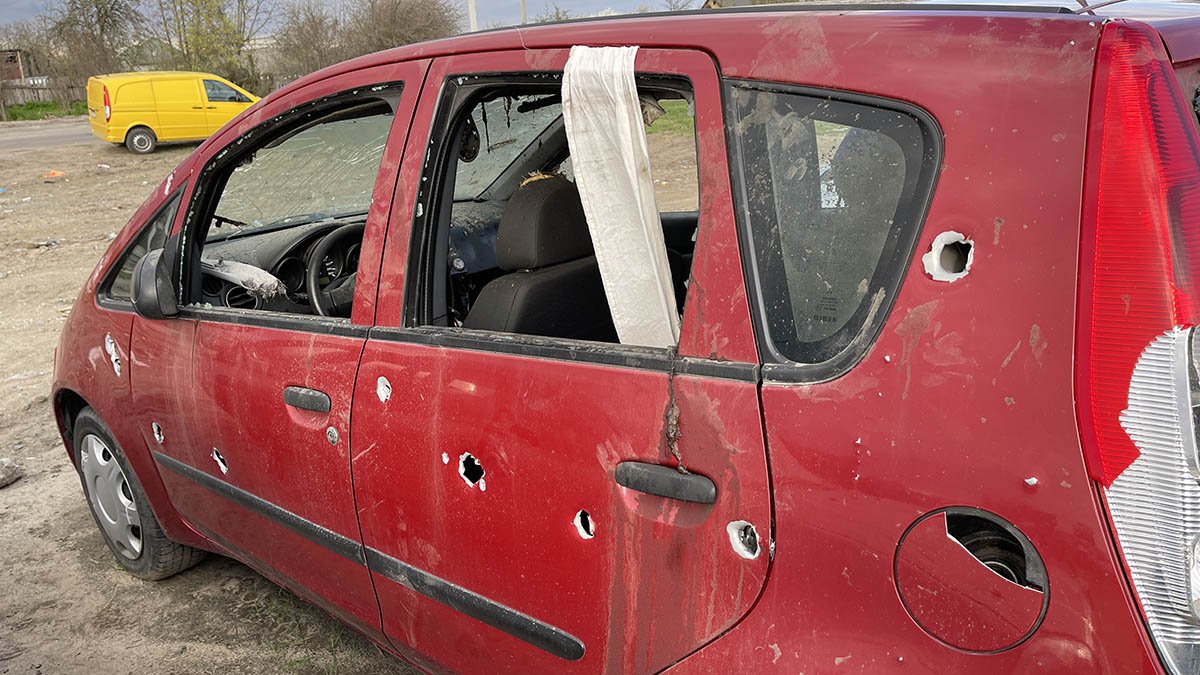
(40, 110)
(678, 119)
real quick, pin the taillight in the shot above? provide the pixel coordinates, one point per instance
(107, 106)
(1138, 302)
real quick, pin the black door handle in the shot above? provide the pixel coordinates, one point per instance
(307, 399)
(666, 481)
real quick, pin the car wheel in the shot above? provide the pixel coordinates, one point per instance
(141, 141)
(120, 508)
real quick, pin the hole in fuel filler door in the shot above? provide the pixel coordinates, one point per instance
(971, 580)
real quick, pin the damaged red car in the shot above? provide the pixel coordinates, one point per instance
(784, 340)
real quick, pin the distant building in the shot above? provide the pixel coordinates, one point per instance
(15, 64)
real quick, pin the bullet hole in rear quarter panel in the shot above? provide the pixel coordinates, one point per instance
(470, 469)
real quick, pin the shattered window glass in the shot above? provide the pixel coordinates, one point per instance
(498, 131)
(154, 236)
(325, 170)
(829, 188)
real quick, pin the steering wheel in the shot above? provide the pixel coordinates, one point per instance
(337, 298)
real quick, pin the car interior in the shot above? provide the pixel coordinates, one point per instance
(512, 246)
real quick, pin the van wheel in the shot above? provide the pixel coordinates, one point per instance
(120, 508)
(141, 141)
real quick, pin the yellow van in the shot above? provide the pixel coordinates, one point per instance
(142, 109)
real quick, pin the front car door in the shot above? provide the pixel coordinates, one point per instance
(254, 450)
(222, 103)
(486, 462)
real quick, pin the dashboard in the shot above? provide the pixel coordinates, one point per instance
(285, 254)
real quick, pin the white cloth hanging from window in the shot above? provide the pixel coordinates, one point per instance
(611, 162)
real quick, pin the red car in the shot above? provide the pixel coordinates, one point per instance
(901, 377)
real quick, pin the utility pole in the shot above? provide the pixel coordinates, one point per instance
(471, 20)
(523, 19)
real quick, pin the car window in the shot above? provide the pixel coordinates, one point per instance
(830, 191)
(153, 236)
(671, 141)
(323, 170)
(518, 257)
(499, 129)
(221, 92)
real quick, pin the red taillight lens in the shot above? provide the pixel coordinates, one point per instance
(1141, 232)
(107, 106)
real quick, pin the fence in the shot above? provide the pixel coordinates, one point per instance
(20, 94)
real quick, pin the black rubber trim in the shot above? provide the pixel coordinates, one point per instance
(307, 399)
(326, 538)
(307, 323)
(579, 351)
(523, 627)
(666, 481)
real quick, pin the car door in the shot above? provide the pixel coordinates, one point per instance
(180, 109)
(256, 441)
(221, 103)
(486, 464)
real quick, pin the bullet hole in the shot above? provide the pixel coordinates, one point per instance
(743, 538)
(470, 469)
(383, 389)
(114, 355)
(583, 523)
(216, 455)
(950, 257)
(158, 432)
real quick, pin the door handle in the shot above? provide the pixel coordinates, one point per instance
(197, 107)
(210, 107)
(666, 481)
(307, 399)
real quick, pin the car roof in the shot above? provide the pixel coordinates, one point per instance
(149, 74)
(1178, 20)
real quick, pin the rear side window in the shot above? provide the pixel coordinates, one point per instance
(833, 193)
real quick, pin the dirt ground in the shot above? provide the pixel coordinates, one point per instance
(66, 606)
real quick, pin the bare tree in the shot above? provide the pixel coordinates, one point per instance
(308, 38)
(678, 5)
(374, 25)
(211, 34)
(552, 12)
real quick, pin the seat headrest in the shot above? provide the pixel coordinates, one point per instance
(543, 224)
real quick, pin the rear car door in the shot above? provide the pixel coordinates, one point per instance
(256, 455)
(180, 109)
(486, 461)
(221, 103)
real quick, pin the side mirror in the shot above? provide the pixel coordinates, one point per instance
(153, 293)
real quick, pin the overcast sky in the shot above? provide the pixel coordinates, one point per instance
(489, 11)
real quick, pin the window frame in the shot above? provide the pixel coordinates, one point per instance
(776, 365)
(103, 297)
(434, 206)
(210, 183)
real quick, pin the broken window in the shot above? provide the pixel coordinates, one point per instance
(517, 255)
(288, 213)
(832, 192)
(153, 236)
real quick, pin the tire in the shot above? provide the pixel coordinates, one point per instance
(141, 140)
(115, 499)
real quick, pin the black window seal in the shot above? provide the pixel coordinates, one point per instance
(103, 298)
(775, 366)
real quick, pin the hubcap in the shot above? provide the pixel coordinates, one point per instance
(141, 141)
(111, 497)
